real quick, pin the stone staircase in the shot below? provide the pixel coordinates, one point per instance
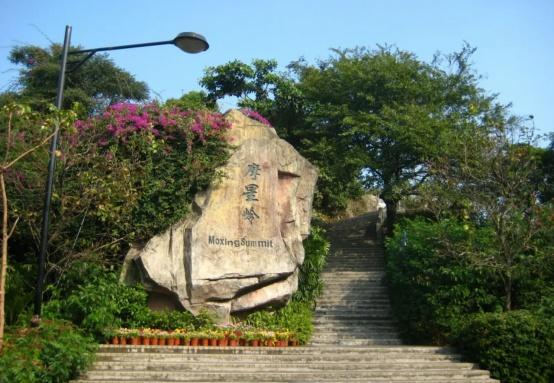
(355, 339)
(354, 309)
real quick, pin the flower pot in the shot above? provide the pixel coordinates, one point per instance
(223, 342)
(115, 340)
(122, 340)
(176, 341)
(145, 341)
(186, 342)
(270, 343)
(205, 342)
(161, 342)
(233, 342)
(135, 341)
(213, 342)
(153, 341)
(169, 341)
(242, 342)
(194, 342)
(254, 343)
(293, 343)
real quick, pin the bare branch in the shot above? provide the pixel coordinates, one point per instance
(24, 154)
(13, 227)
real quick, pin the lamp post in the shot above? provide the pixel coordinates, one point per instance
(189, 42)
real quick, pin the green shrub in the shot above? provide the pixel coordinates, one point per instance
(55, 352)
(296, 317)
(316, 248)
(100, 303)
(431, 287)
(516, 346)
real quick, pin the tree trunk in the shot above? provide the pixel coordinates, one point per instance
(508, 291)
(392, 208)
(4, 267)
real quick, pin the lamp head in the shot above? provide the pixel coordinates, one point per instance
(191, 42)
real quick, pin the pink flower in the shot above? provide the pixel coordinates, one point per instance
(255, 116)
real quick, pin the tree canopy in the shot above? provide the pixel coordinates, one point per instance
(367, 118)
(95, 85)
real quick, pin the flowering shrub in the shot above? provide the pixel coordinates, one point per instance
(255, 116)
(132, 171)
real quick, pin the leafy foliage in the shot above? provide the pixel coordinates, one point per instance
(316, 248)
(488, 178)
(122, 177)
(432, 284)
(366, 118)
(296, 317)
(55, 352)
(440, 294)
(95, 85)
(99, 302)
(517, 346)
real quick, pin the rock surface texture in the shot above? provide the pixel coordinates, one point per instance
(242, 246)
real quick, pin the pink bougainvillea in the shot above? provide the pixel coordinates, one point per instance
(123, 120)
(255, 116)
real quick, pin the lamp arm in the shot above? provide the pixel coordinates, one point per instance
(118, 47)
(92, 51)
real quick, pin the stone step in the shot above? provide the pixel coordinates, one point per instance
(375, 338)
(358, 323)
(330, 336)
(373, 301)
(245, 365)
(319, 379)
(261, 375)
(356, 289)
(357, 342)
(352, 295)
(353, 306)
(346, 299)
(179, 350)
(354, 284)
(353, 312)
(279, 358)
(370, 277)
(377, 327)
(366, 268)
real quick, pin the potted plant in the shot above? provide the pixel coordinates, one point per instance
(252, 338)
(282, 338)
(233, 339)
(111, 335)
(123, 334)
(162, 337)
(268, 338)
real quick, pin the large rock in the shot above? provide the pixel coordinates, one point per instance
(242, 246)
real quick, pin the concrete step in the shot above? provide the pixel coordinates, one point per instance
(261, 375)
(319, 379)
(279, 358)
(383, 305)
(246, 365)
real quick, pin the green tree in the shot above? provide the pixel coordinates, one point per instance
(547, 171)
(95, 85)
(193, 100)
(368, 118)
(385, 109)
(488, 179)
(278, 97)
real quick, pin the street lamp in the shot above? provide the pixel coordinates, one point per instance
(189, 42)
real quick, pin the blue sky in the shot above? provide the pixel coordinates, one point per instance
(514, 39)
